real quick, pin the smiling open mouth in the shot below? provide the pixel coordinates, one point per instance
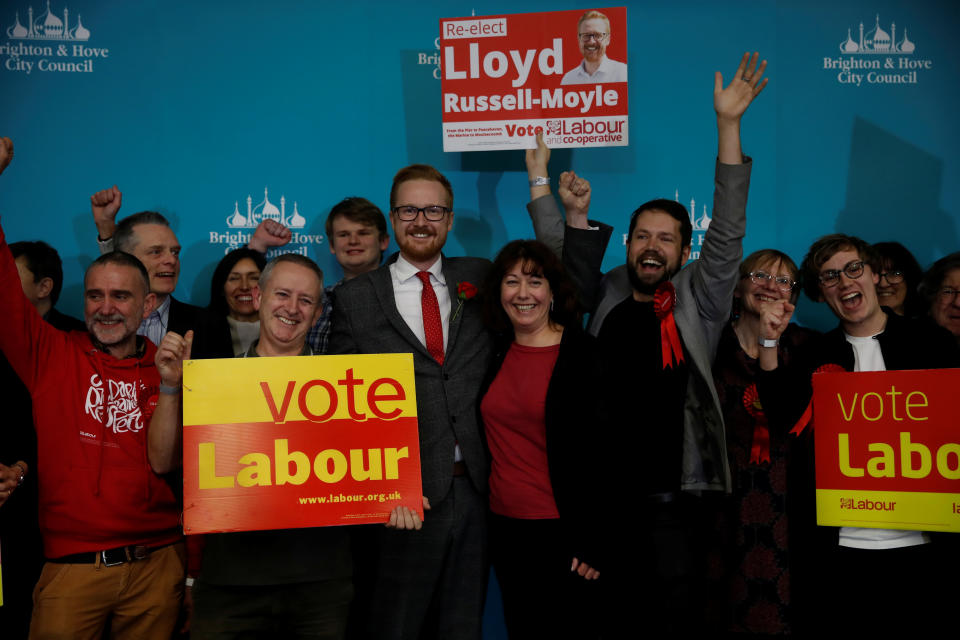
(851, 299)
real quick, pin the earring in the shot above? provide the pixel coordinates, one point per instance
(551, 304)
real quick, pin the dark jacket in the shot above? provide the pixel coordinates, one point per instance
(211, 332)
(575, 428)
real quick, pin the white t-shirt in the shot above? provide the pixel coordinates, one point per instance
(868, 357)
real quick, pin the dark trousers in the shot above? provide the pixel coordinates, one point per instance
(432, 583)
(903, 592)
(657, 573)
(542, 598)
(248, 612)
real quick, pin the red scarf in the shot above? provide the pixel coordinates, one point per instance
(664, 299)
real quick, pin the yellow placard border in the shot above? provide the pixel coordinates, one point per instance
(913, 510)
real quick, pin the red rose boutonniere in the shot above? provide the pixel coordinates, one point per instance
(465, 291)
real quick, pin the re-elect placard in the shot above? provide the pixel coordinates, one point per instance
(506, 78)
(888, 449)
(278, 443)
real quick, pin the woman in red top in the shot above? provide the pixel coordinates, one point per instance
(541, 423)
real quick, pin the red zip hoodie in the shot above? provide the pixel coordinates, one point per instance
(91, 412)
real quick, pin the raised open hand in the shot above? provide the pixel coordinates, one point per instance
(731, 102)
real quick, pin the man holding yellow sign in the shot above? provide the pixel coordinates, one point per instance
(877, 564)
(274, 445)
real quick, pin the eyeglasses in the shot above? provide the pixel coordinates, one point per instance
(947, 296)
(831, 277)
(587, 37)
(433, 213)
(893, 277)
(762, 278)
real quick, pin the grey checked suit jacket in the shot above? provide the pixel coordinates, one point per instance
(366, 320)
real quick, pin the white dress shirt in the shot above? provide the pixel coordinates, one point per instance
(407, 289)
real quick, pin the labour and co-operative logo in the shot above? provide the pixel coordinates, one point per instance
(699, 223)
(242, 224)
(49, 43)
(876, 56)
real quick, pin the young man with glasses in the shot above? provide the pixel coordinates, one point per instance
(859, 569)
(593, 38)
(431, 576)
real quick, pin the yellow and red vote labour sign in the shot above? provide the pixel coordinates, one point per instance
(888, 449)
(275, 443)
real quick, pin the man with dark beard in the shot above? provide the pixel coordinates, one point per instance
(659, 327)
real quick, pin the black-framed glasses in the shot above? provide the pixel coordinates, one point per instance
(894, 276)
(831, 277)
(587, 37)
(947, 295)
(433, 213)
(762, 278)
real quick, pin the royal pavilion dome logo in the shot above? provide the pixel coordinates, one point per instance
(698, 224)
(47, 26)
(876, 41)
(266, 210)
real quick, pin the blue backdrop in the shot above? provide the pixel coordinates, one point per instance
(192, 107)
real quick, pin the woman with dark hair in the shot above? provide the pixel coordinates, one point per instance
(752, 529)
(232, 291)
(542, 423)
(900, 276)
(940, 289)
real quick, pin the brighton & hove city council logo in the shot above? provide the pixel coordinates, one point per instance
(60, 46)
(242, 226)
(875, 56)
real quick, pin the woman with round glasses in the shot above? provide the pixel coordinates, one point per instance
(541, 422)
(941, 290)
(752, 545)
(900, 276)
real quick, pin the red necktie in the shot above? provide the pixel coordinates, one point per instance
(430, 308)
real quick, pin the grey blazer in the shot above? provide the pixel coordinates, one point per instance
(704, 297)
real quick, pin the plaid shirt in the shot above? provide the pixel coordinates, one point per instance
(319, 335)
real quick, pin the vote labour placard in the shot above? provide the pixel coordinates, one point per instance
(506, 78)
(277, 443)
(888, 449)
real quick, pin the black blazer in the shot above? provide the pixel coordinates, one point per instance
(211, 333)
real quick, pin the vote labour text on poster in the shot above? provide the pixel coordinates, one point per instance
(275, 443)
(506, 78)
(888, 449)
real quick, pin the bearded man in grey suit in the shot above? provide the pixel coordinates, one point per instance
(431, 576)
